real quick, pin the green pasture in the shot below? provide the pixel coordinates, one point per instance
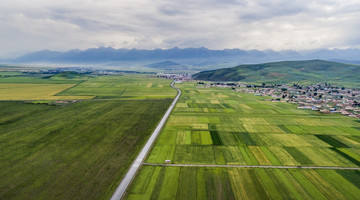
(77, 151)
(72, 86)
(243, 183)
(123, 87)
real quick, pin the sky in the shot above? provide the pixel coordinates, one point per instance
(60, 25)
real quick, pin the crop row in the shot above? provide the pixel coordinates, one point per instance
(243, 183)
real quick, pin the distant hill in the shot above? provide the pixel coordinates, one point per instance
(68, 75)
(313, 71)
(187, 56)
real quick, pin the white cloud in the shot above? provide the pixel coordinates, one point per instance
(275, 24)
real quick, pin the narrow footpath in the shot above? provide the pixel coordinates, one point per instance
(121, 189)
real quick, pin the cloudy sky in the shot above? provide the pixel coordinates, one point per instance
(30, 25)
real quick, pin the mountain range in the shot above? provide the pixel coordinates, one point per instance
(187, 56)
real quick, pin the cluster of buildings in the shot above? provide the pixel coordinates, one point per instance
(84, 70)
(325, 98)
(177, 77)
(80, 70)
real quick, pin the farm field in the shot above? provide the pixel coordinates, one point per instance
(74, 149)
(156, 182)
(26, 91)
(218, 126)
(77, 151)
(123, 87)
(67, 86)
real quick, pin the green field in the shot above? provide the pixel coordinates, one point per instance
(123, 87)
(220, 126)
(243, 183)
(28, 91)
(82, 149)
(223, 127)
(78, 150)
(67, 86)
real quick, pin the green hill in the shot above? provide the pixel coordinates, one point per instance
(310, 71)
(69, 75)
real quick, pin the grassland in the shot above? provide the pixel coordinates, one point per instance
(78, 151)
(223, 127)
(123, 87)
(15, 86)
(75, 150)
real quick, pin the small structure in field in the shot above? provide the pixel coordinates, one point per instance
(167, 161)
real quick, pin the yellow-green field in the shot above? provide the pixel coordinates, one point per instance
(123, 87)
(18, 86)
(26, 91)
(218, 126)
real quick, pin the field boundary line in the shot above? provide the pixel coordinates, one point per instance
(75, 84)
(252, 166)
(129, 176)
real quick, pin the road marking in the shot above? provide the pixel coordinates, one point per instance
(253, 166)
(125, 182)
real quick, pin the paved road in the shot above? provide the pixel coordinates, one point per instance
(253, 166)
(120, 191)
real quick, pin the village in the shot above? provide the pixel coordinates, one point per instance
(177, 77)
(324, 97)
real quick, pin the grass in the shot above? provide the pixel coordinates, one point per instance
(243, 129)
(78, 151)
